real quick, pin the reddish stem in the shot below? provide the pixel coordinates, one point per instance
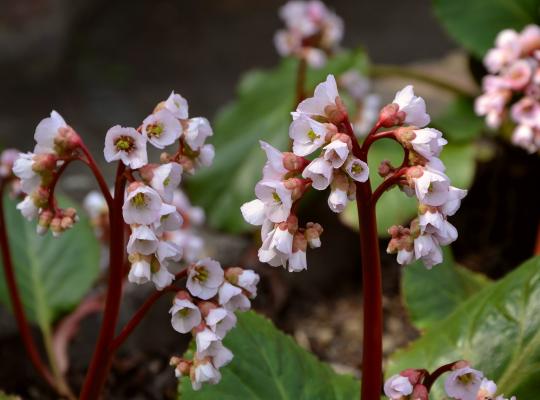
(16, 303)
(52, 185)
(431, 378)
(371, 138)
(388, 183)
(139, 315)
(372, 376)
(97, 173)
(101, 359)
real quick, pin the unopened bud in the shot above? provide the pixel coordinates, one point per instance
(391, 116)
(461, 364)
(344, 138)
(183, 295)
(419, 392)
(186, 163)
(44, 163)
(205, 307)
(147, 172)
(66, 141)
(414, 375)
(232, 274)
(299, 242)
(313, 234)
(56, 226)
(340, 181)
(40, 196)
(165, 157)
(294, 163)
(297, 186)
(405, 134)
(385, 168)
(292, 223)
(336, 113)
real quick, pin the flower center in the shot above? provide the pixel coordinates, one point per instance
(124, 143)
(167, 181)
(154, 130)
(276, 197)
(139, 200)
(184, 312)
(466, 379)
(356, 169)
(202, 274)
(312, 135)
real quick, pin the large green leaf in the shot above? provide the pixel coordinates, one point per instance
(269, 365)
(475, 23)
(432, 295)
(497, 330)
(261, 112)
(394, 207)
(53, 274)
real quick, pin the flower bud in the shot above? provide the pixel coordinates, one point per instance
(344, 138)
(294, 163)
(44, 221)
(313, 233)
(385, 168)
(336, 113)
(419, 392)
(297, 186)
(40, 196)
(299, 242)
(66, 141)
(205, 307)
(232, 274)
(391, 116)
(165, 157)
(414, 375)
(44, 163)
(56, 226)
(183, 295)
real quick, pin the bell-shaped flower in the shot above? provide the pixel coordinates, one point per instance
(431, 187)
(143, 240)
(357, 169)
(140, 271)
(427, 249)
(308, 135)
(184, 315)
(320, 172)
(248, 281)
(397, 387)
(46, 132)
(204, 371)
(142, 206)
(161, 128)
(336, 152)
(428, 142)
(197, 131)
(28, 208)
(413, 106)
(277, 199)
(254, 212)
(23, 168)
(165, 180)
(127, 145)
(325, 95)
(232, 298)
(274, 169)
(177, 105)
(204, 278)
(220, 321)
(463, 383)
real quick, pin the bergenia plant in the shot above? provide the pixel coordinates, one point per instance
(326, 154)
(511, 97)
(146, 222)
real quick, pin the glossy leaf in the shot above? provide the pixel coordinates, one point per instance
(53, 274)
(269, 365)
(475, 23)
(394, 207)
(261, 112)
(497, 330)
(431, 295)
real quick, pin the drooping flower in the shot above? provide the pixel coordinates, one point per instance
(197, 131)
(142, 205)
(161, 128)
(397, 387)
(46, 131)
(166, 179)
(177, 105)
(184, 315)
(204, 278)
(463, 383)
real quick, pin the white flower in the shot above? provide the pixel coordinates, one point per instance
(276, 247)
(527, 137)
(169, 220)
(336, 152)
(204, 372)
(307, 134)
(205, 338)
(95, 204)
(220, 321)
(191, 245)
(432, 187)
(274, 168)
(177, 105)
(198, 130)
(23, 169)
(405, 257)
(248, 280)
(325, 95)
(455, 195)
(27, 208)
(413, 106)
(165, 180)
(142, 240)
(428, 250)
(463, 383)
(161, 277)
(397, 387)
(506, 51)
(487, 390)
(204, 278)
(320, 172)
(277, 199)
(168, 251)
(142, 206)
(161, 128)
(357, 169)
(209, 345)
(338, 199)
(127, 145)
(446, 234)
(184, 315)
(206, 155)
(428, 142)
(232, 298)
(140, 272)
(297, 261)
(254, 212)
(46, 131)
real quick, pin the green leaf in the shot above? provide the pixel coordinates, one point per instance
(431, 295)
(53, 274)
(394, 207)
(261, 112)
(497, 330)
(475, 23)
(459, 122)
(269, 365)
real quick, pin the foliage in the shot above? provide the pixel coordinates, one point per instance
(269, 365)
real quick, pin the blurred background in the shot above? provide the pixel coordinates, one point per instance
(101, 63)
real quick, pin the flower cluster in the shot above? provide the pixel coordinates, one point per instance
(38, 171)
(312, 31)
(463, 383)
(423, 178)
(514, 85)
(149, 206)
(286, 176)
(208, 312)
(366, 102)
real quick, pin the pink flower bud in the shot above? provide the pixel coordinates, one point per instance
(294, 163)
(66, 223)
(385, 168)
(44, 163)
(232, 274)
(419, 392)
(40, 196)
(344, 138)
(147, 172)
(391, 116)
(313, 233)
(66, 140)
(205, 307)
(414, 375)
(299, 242)
(336, 113)
(56, 226)
(183, 295)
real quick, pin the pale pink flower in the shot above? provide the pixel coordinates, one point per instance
(325, 95)
(46, 132)
(184, 315)
(198, 130)
(428, 142)
(220, 321)
(277, 199)
(320, 171)
(177, 105)
(165, 180)
(161, 128)
(204, 278)
(357, 169)
(142, 206)
(232, 298)
(397, 387)
(463, 383)
(413, 106)
(308, 135)
(127, 145)
(143, 240)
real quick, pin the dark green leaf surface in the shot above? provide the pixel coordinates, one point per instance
(53, 274)
(497, 330)
(261, 112)
(269, 365)
(475, 23)
(431, 295)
